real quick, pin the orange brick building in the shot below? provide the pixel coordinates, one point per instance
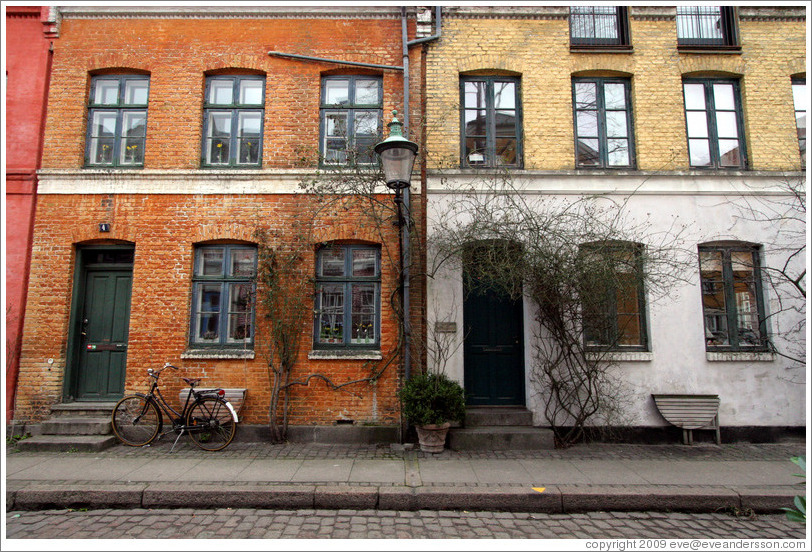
(173, 135)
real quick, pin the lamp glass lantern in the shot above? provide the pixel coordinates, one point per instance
(397, 156)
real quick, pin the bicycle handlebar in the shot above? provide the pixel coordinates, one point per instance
(156, 373)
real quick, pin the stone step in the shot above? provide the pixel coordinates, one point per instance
(66, 443)
(81, 425)
(501, 438)
(498, 416)
(76, 409)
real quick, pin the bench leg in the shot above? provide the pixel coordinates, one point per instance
(718, 430)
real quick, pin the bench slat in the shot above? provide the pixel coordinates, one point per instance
(235, 396)
(689, 411)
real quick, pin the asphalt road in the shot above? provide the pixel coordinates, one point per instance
(383, 524)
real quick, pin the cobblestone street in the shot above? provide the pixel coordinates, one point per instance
(375, 524)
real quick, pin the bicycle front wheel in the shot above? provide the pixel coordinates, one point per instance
(210, 424)
(136, 421)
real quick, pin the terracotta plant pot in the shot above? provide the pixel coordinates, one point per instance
(432, 436)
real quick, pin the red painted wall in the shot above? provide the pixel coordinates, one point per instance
(28, 39)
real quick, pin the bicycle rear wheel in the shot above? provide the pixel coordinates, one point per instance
(136, 421)
(210, 424)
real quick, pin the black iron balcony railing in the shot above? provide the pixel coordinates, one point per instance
(707, 27)
(599, 26)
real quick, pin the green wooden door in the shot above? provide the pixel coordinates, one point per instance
(103, 335)
(493, 348)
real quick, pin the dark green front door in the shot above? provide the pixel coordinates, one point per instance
(103, 328)
(493, 348)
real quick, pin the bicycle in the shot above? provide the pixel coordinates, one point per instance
(208, 418)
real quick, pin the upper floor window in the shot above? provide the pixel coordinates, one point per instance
(800, 99)
(117, 121)
(732, 300)
(714, 123)
(233, 115)
(707, 27)
(598, 26)
(348, 297)
(223, 295)
(613, 299)
(603, 122)
(351, 118)
(491, 122)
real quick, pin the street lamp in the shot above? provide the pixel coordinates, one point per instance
(397, 159)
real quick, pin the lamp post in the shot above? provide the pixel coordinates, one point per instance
(397, 160)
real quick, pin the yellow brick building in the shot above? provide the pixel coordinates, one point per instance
(685, 116)
(534, 44)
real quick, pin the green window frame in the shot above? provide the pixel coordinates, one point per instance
(351, 115)
(732, 297)
(348, 297)
(233, 121)
(602, 113)
(800, 100)
(117, 121)
(490, 122)
(614, 298)
(223, 296)
(714, 124)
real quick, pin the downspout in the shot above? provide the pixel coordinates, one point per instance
(405, 243)
(405, 236)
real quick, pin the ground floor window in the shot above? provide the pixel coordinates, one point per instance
(348, 291)
(613, 298)
(732, 301)
(223, 295)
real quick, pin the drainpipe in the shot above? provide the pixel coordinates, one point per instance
(405, 240)
(406, 258)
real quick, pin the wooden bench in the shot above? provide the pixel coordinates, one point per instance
(690, 412)
(234, 395)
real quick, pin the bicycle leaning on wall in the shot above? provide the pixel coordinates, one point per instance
(207, 417)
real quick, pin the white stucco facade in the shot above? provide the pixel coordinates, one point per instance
(755, 388)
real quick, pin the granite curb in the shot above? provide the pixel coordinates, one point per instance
(552, 499)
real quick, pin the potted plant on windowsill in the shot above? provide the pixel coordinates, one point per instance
(431, 402)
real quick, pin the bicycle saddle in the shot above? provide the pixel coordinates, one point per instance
(191, 382)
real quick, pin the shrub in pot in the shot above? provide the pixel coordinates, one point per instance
(431, 402)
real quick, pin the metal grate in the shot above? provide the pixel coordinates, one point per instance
(598, 26)
(706, 26)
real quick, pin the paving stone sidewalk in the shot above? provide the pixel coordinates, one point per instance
(698, 478)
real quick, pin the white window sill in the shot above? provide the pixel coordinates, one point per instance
(344, 355)
(622, 356)
(218, 353)
(740, 356)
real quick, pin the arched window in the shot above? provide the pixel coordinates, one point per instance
(233, 116)
(351, 118)
(491, 121)
(117, 121)
(714, 123)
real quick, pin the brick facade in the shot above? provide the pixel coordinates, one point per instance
(171, 205)
(536, 47)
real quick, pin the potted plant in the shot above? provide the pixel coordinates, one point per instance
(431, 402)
